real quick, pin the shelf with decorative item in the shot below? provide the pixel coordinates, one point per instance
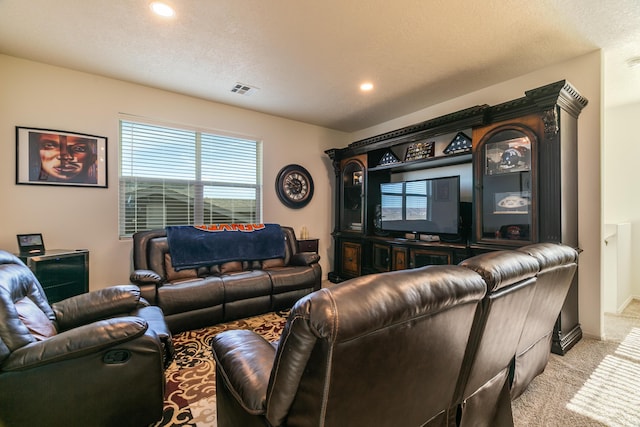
(427, 163)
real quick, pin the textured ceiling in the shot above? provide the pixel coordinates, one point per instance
(308, 58)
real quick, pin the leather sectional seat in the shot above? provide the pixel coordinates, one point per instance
(204, 296)
(429, 346)
(95, 359)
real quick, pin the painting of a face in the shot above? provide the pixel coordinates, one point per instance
(60, 158)
(65, 157)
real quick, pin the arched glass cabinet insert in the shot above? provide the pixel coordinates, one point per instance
(506, 190)
(353, 188)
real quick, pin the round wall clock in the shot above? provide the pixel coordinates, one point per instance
(294, 186)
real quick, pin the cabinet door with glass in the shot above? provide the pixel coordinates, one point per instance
(352, 203)
(506, 193)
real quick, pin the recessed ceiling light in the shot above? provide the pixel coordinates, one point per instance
(366, 87)
(162, 9)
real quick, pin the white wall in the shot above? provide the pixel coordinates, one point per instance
(585, 74)
(616, 267)
(37, 95)
(621, 151)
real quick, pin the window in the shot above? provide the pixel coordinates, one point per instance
(171, 176)
(417, 195)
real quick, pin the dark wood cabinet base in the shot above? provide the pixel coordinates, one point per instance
(562, 342)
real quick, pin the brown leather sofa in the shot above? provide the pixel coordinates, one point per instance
(511, 279)
(96, 359)
(558, 266)
(205, 296)
(378, 350)
(428, 346)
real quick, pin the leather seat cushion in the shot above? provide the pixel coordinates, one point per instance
(285, 279)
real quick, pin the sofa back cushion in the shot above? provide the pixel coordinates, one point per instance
(558, 265)
(231, 267)
(273, 263)
(151, 252)
(176, 276)
(511, 278)
(17, 283)
(341, 340)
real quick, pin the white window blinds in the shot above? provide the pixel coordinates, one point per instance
(171, 176)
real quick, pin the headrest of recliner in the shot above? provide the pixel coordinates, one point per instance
(17, 282)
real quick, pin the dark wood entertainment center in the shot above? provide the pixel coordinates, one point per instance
(519, 185)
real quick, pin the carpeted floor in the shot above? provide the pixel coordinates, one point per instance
(597, 383)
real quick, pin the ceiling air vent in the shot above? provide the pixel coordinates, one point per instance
(243, 89)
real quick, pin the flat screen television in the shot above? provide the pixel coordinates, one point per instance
(425, 206)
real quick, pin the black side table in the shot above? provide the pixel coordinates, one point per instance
(308, 245)
(62, 273)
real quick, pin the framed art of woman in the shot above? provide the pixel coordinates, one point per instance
(60, 158)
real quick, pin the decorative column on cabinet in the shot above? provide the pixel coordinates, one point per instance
(350, 215)
(526, 182)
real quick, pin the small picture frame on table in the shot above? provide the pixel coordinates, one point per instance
(54, 157)
(30, 244)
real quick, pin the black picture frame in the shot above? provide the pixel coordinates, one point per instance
(61, 158)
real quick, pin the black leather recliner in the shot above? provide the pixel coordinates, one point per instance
(96, 359)
(484, 386)
(378, 350)
(558, 266)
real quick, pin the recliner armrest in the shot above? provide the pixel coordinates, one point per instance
(245, 360)
(77, 342)
(145, 277)
(304, 258)
(96, 305)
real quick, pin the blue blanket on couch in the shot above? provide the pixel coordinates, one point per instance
(199, 246)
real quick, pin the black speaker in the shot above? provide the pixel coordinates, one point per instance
(377, 222)
(466, 219)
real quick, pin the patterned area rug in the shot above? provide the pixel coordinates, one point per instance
(190, 393)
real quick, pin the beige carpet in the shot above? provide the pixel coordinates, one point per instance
(597, 383)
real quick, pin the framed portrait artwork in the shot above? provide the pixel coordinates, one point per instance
(53, 157)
